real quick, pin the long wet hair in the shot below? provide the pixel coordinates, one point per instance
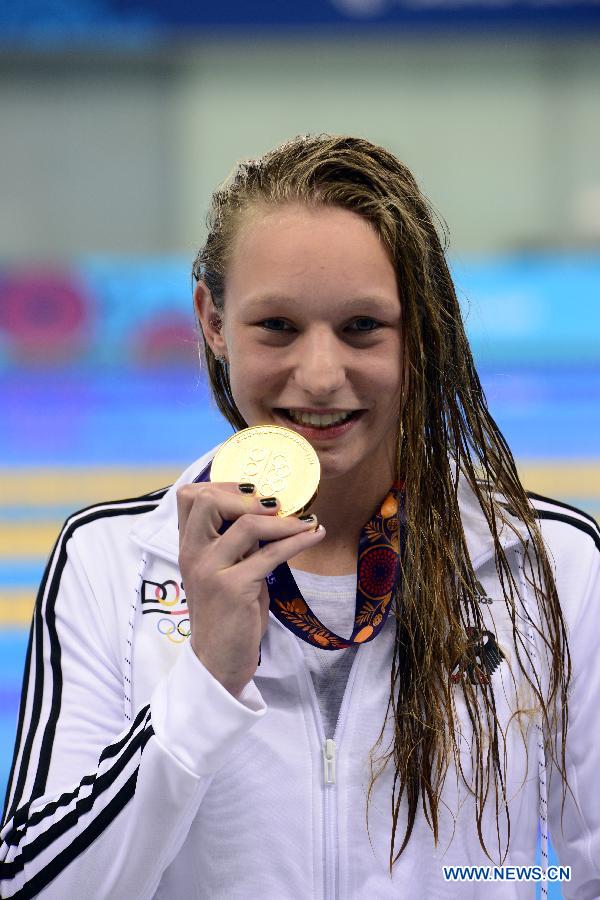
(444, 418)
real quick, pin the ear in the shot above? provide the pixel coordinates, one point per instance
(210, 319)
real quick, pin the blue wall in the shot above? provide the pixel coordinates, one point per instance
(540, 309)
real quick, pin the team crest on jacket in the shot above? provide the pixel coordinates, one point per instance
(488, 656)
(165, 602)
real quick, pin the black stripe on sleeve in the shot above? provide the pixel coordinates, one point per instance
(59, 554)
(593, 532)
(101, 783)
(20, 721)
(590, 526)
(22, 816)
(83, 840)
(38, 690)
(562, 505)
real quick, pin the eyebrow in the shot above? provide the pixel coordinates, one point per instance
(350, 304)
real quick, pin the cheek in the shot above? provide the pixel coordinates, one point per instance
(384, 374)
(388, 389)
(250, 382)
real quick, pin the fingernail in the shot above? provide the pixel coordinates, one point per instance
(269, 501)
(246, 487)
(308, 518)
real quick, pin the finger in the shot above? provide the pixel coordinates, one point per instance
(260, 564)
(186, 493)
(203, 508)
(242, 536)
(185, 500)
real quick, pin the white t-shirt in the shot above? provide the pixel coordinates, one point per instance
(332, 598)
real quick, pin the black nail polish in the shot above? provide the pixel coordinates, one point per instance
(246, 488)
(307, 518)
(269, 501)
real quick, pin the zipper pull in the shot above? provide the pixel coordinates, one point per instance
(329, 761)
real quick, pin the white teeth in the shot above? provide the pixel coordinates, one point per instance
(312, 419)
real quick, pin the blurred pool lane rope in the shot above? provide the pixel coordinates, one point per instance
(35, 503)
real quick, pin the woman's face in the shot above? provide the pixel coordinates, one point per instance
(312, 322)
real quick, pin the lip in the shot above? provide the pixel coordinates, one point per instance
(322, 412)
(319, 434)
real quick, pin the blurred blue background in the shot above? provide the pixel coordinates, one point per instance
(118, 121)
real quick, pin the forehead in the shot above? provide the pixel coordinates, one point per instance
(290, 248)
(262, 222)
(259, 303)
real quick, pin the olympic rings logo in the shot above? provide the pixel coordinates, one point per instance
(255, 462)
(166, 593)
(273, 471)
(176, 632)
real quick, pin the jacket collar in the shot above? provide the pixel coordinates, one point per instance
(157, 532)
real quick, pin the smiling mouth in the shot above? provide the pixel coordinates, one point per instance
(353, 414)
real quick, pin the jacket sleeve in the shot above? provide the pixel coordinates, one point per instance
(98, 806)
(577, 842)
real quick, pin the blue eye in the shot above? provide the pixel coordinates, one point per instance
(271, 320)
(265, 325)
(367, 319)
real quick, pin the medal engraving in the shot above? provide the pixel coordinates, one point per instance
(280, 462)
(268, 470)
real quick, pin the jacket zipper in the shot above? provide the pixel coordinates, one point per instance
(330, 819)
(329, 761)
(329, 749)
(329, 830)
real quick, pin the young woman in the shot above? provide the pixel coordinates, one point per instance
(177, 738)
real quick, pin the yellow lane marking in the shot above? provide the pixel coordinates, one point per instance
(557, 480)
(27, 540)
(34, 540)
(566, 481)
(16, 608)
(77, 487)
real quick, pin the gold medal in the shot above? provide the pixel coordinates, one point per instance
(280, 462)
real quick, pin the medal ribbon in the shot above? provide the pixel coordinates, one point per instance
(380, 545)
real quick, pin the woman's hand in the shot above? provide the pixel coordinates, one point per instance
(224, 574)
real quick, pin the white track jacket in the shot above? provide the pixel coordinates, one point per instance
(137, 775)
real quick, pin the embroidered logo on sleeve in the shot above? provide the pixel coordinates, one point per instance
(488, 656)
(165, 601)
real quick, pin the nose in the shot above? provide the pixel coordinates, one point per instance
(320, 366)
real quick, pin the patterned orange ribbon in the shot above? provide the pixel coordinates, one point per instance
(380, 544)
